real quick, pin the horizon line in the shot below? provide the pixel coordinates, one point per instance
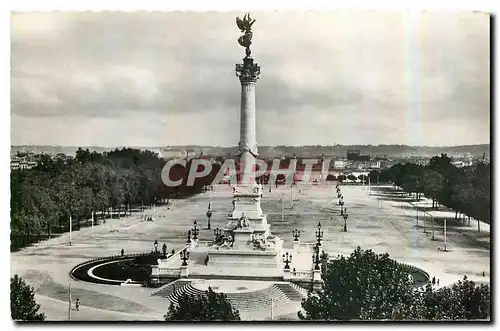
(235, 146)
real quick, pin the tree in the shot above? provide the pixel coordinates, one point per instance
(462, 301)
(352, 177)
(474, 300)
(324, 261)
(23, 306)
(209, 306)
(366, 286)
(433, 183)
(61, 187)
(363, 286)
(374, 176)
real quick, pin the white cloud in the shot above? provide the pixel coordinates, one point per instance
(154, 73)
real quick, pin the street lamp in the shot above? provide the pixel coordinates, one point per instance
(319, 235)
(164, 249)
(156, 246)
(345, 222)
(296, 235)
(209, 214)
(184, 257)
(195, 231)
(287, 258)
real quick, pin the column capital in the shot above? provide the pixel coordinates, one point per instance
(248, 72)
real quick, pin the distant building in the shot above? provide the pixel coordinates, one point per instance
(158, 152)
(18, 163)
(15, 163)
(339, 164)
(355, 155)
(352, 154)
(375, 165)
(172, 153)
(461, 164)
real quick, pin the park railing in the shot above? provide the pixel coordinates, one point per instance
(415, 269)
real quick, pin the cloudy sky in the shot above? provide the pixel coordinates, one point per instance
(155, 79)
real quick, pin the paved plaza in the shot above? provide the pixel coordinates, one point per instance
(383, 227)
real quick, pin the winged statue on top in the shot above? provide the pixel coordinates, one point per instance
(245, 25)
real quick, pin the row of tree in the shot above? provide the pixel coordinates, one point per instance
(43, 198)
(466, 189)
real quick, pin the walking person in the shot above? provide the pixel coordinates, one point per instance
(77, 304)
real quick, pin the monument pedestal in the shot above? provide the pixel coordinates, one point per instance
(242, 238)
(243, 258)
(286, 274)
(247, 201)
(184, 271)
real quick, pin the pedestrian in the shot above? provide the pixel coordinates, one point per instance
(77, 304)
(438, 282)
(433, 280)
(122, 252)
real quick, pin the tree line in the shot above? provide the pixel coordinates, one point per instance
(466, 189)
(43, 198)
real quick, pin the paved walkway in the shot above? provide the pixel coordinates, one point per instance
(46, 265)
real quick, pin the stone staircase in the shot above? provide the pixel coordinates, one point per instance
(300, 289)
(279, 294)
(167, 290)
(290, 291)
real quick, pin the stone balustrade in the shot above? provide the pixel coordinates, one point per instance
(164, 270)
(169, 271)
(301, 275)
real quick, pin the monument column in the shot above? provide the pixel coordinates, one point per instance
(248, 124)
(248, 73)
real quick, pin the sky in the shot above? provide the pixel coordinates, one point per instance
(334, 77)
